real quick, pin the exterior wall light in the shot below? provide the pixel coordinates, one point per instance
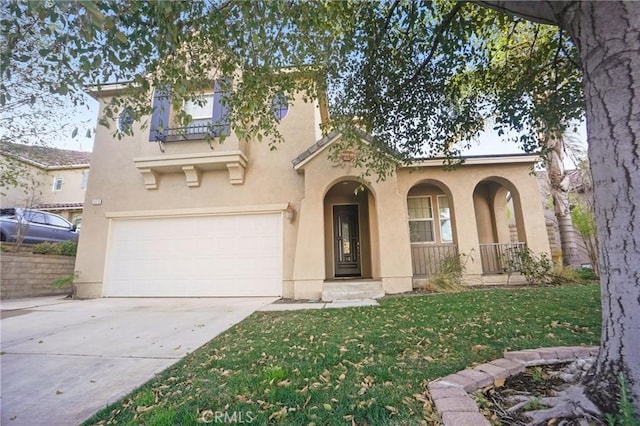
(290, 212)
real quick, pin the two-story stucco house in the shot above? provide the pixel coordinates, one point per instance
(46, 178)
(168, 215)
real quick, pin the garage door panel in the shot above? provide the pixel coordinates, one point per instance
(237, 255)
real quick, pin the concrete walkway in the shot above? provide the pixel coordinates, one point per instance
(336, 304)
(63, 360)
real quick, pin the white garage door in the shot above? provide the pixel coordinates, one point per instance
(239, 255)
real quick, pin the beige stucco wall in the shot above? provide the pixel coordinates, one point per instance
(30, 189)
(117, 186)
(472, 215)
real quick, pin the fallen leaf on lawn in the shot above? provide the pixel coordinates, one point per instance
(143, 408)
(477, 348)
(284, 383)
(392, 410)
(280, 414)
(327, 407)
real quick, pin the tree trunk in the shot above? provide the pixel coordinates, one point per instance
(559, 187)
(607, 35)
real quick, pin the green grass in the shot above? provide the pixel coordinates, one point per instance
(366, 365)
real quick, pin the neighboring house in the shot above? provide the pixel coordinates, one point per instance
(577, 186)
(48, 179)
(168, 215)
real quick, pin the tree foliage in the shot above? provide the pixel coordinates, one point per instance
(422, 78)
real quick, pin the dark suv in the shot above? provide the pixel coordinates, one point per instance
(33, 226)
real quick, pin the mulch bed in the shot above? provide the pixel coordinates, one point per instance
(501, 406)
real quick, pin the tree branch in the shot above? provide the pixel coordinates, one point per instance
(542, 12)
(437, 39)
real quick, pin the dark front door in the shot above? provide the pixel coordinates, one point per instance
(347, 241)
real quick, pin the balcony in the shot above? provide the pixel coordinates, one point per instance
(202, 129)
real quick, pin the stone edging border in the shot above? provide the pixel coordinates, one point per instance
(450, 394)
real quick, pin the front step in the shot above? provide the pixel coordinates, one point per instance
(350, 290)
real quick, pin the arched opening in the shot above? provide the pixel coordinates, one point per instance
(432, 228)
(500, 225)
(349, 227)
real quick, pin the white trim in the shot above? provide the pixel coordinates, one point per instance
(507, 159)
(204, 211)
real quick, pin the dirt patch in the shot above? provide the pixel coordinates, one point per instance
(524, 394)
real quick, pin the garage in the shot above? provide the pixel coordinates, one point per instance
(195, 256)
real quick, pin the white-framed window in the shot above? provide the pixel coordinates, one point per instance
(420, 219)
(201, 109)
(85, 180)
(444, 214)
(57, 184)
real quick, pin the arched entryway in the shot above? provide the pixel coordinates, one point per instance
(350, 233)
(432, 228)
(500, 224)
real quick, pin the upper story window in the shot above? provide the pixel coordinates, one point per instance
(201, 110)
(125, 119)
(85, 180)
(57, 184)
(280, 107)
(210, 116)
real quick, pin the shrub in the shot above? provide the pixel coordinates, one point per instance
(66, 248)
(535, 269)
(449, 279)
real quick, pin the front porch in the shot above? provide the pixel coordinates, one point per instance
(498, 260)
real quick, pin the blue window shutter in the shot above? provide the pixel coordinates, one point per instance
(160, 114)
(220, 115)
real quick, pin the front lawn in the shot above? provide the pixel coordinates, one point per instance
(355, 365)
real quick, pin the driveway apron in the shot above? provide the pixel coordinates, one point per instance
(63, 360)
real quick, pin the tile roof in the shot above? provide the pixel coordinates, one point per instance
(45, 157)
(314, 148)
(53, 206)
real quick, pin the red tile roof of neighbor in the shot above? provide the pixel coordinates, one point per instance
(54, 206)
(44, 156)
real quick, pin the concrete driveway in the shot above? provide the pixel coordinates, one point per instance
(63, 360)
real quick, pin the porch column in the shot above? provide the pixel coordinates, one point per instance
(531, 218)
(467, 229)
(394, 246)
(308, 264)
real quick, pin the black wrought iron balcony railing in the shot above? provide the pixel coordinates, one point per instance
(196, 130)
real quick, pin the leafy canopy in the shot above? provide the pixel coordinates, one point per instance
(422, 77)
